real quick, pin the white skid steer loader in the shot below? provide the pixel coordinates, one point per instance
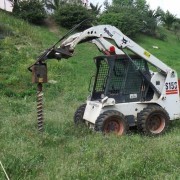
(125, 92)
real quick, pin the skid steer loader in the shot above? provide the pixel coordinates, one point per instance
(125, 92)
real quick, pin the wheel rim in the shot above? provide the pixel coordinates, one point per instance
(113, 125)
(156, 123)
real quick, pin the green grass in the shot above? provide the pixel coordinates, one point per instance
(64, 151)
(168, 50)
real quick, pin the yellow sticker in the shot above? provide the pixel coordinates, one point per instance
(40, 80)
(147, 54)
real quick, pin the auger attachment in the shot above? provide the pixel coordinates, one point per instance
(39, 76)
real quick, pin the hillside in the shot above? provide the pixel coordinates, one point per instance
(63, 151)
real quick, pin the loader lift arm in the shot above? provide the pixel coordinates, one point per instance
(100, 33)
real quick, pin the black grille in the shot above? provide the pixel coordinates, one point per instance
(118, 75)
(102, 75)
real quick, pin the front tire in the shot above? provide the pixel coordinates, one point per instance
(78, 115)
(153, 120)
(111, 121)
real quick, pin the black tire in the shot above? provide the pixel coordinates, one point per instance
(78, 115)
(153, 120)
(111, 121)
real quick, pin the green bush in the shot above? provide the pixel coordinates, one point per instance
(32, 11)
(160, 34)
(72, 14)
(126, 22)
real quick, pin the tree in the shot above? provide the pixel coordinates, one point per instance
(106, 5)
(15, 5)
(95, 8)
(123, 2)
(31, 10)
(141, 6)
(127, 15)
(54, 4)
(168, 19)
(151, 20)
(132, 16)
(160, 13)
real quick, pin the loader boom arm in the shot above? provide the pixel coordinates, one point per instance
(99, 34)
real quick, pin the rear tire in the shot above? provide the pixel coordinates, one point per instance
(78, 115)
(111, 121)
(153, 120)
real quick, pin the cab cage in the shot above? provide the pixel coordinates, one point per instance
(117, 77)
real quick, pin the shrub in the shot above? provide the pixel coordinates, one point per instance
(160, 34)
(72, 14)
(176, 29)
(32, 11)
(126, 22)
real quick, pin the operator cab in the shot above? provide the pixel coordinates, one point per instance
(120, 78)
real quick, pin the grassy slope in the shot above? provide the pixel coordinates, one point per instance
(168, 51)
(63, 151)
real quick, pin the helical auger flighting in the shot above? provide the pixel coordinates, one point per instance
(40, 117)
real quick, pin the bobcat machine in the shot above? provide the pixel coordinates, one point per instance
(125, 91)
